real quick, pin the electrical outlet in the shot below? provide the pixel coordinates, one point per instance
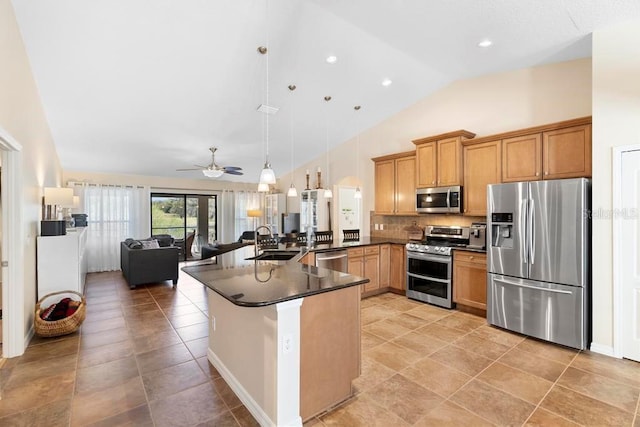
(213, 322)
(376, 227)
(381, 226)
(287, 344)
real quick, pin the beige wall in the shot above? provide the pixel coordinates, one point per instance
(22, 116)
(616, 109)
(483, 105)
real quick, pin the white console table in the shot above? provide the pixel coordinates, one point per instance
(62, 262)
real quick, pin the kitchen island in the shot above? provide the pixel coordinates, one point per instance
(284, 335)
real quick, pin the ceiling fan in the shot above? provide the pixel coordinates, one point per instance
(212, 170)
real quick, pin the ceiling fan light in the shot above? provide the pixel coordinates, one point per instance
(358, 193)
(267, 176)
(263, 187)
(292, 192)
(212, 173)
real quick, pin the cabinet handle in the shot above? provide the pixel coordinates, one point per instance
(537, 173)
(471, 257)
(433, 182)
(546, 173)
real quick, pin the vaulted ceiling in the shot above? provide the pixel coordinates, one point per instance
(147, 86)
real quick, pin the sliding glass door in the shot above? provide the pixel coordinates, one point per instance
(188, 218)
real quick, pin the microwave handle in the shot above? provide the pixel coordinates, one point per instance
(448, 196)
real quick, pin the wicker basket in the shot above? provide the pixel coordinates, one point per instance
(68, 325)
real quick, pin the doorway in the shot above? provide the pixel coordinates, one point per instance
(189, 218)
(626, 248)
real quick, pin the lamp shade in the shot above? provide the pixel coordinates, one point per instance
(62, 197)
(254, 213)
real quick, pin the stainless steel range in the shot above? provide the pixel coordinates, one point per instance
(429, 264)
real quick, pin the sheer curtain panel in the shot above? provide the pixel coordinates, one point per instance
(113, 214)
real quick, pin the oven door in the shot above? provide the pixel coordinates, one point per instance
(429, 279)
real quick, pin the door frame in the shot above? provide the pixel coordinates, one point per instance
(13, 325)
(618, 236)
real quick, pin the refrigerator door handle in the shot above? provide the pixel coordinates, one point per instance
(520, 285)
(521, 230)
(531, 239)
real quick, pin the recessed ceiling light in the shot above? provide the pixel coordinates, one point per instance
(485, 43)
(332, 59)
(386, 82)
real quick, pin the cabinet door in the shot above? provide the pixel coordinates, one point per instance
(405, 189)
(470, 280)
(397, 275)
(371, 272)
(385, 186)
(426, 165)
(355, 266)
(522, 158)
(449, 162)
(566, 153)
(482, 166)
(385, 253)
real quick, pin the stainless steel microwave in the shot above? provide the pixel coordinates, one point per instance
(439, 200)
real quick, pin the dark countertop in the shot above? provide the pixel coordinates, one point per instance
(260, 283)
(364, 241)
(482, 251)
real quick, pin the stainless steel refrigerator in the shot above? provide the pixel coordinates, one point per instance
(538, 259)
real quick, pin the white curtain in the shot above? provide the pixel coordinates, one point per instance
(226, 212)
(245, 200)
(114, 213)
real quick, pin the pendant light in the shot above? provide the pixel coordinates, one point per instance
(292, 189)
(327, 192)
(358, 193)
(267, 176)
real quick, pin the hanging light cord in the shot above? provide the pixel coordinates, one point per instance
(267, 91)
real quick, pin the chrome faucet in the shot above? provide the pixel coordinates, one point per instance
(255, 237)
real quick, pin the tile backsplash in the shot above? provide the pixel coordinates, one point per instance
(392, 226)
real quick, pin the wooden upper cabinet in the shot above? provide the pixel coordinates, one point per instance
(567, 152)
(439, 159)
(522, 158)
(449, 162)
(395, 184)
(482, 166)
(426, 165)
(405, 189)
(385, 183)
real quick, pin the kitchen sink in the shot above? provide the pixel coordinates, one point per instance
(274, 256)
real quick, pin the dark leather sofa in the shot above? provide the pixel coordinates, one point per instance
(153, 265)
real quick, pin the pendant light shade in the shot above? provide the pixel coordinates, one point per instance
(267, 176)
(328, 193)
(263, 187)
(358, 193)
(292, 192)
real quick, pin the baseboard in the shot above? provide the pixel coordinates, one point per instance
(252, 406)
(607, 350)
(29, 336)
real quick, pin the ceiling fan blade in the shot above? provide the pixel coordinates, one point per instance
(232, 168)
(233, 172)
(189, 169)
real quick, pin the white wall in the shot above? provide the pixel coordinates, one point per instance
(484, 105)
(22, 115)
(616, 113)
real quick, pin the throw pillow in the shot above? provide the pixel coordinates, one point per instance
(150, 244)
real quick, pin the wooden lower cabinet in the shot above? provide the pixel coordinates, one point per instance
(365, 261)
(383, 270)
(470, 280)
(398, 269)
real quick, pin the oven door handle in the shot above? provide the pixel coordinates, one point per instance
(432, 279)
(436, 258)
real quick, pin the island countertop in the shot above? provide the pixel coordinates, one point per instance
(252, 283)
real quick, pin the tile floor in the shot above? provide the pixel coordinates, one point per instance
(140, 360)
